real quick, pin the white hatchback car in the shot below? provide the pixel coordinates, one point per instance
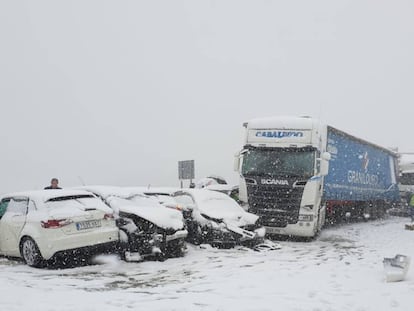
(40, 225)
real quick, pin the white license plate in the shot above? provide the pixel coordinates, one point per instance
(89, 224)
(272, 230)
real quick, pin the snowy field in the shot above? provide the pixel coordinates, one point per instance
(341, 270)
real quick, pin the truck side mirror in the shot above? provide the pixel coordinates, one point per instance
(324, 168)
(326, 156)
(236, 164)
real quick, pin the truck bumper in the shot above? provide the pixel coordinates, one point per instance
(300, 229)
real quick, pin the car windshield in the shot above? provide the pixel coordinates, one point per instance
(278, 162)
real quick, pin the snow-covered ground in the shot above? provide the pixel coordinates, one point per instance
(341, 270)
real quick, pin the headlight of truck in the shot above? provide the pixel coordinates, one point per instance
(305, 217)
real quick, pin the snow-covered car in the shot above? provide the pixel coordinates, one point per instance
(214, 218)
(231, 190)
(161, 194)
(209, 181)
(147, 227)
(50, 226)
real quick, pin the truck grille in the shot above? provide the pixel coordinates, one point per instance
(276, 206)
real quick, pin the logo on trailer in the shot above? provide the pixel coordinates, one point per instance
(363, 177)
(365, 161)
(278, 134)
(278, 182)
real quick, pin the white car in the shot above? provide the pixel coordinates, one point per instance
(215, 218)
(39, 226)
(161, 194)
(148, 228)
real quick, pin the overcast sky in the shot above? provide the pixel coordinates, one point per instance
(116, 92)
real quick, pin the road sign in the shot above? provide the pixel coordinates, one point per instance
(186, 169)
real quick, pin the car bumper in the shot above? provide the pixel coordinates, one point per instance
(233, 235)
(48, 248)
(79, 256)
(180, 234)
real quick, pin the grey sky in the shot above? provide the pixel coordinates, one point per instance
(118, 91)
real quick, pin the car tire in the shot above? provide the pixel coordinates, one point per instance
(30, 253)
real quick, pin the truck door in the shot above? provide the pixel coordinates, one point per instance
(11, 225)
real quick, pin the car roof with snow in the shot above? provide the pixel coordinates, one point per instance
(155, 190)
(45, 195)
(106, 191)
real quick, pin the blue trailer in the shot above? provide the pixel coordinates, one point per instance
(362, 178)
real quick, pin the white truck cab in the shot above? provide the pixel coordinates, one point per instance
(282, 166)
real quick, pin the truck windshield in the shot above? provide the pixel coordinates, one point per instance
(277, 162)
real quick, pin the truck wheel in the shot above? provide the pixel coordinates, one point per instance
(30, 253)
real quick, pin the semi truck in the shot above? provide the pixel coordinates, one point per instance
(297, 173)
(406, 175)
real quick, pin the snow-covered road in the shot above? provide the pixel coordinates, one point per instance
(341, 270)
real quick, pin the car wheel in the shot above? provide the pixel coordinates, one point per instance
(30, 253)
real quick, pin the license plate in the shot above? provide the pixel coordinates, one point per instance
(272, 230)
(88, 224)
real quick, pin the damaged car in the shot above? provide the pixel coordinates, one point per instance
(147, 228)
(214, 218)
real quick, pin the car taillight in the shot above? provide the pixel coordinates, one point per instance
(55, 223)
(174, 206)
(108, 216)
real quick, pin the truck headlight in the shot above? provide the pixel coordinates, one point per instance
(305, 217)
(309, 207)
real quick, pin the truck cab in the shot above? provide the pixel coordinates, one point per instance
(282, 167)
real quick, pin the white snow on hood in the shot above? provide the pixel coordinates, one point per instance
(220, 206)
(133, 201)
(150, 210)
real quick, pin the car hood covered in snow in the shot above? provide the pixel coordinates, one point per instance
(129, 201)
(220, 206)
